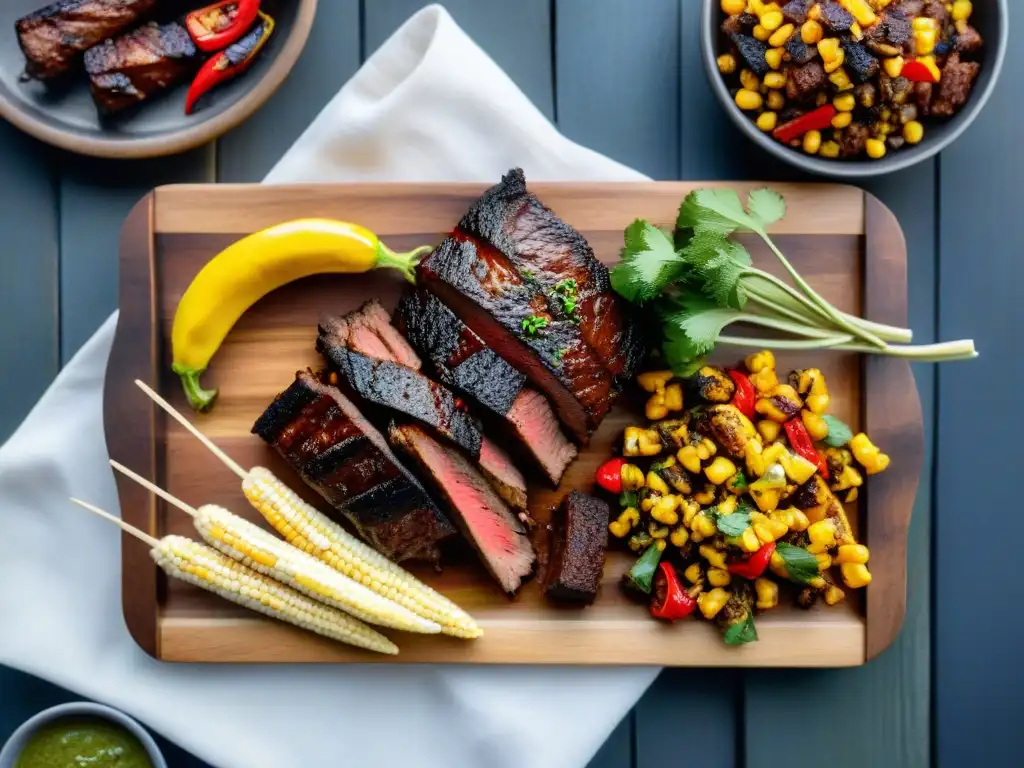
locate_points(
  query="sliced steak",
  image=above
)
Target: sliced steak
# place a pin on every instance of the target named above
(460, 359)
(339, 453)
(795, 11)
(805, 81)
(955, 86)
(139, 65)
(487, 523)
(835, 18)
(54, 38)
(579, 539)
(968, 40)
(859, 61)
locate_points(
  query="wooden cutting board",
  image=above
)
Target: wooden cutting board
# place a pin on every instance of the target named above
(844, 241)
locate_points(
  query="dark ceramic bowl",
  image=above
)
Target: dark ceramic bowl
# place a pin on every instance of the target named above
(990, 18)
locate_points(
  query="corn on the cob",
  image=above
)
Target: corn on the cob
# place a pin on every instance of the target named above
(208, 569)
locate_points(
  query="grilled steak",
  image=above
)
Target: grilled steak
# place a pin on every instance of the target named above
(578, 543)
(498, 537)
(365, 348)
(339, 454)
(460, 359)
(54, 38)
(139, 65)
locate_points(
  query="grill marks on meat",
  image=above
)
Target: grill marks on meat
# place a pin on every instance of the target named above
(338, 453)
(462, 360)
(578, 543)
(348, 343)
(139, 65)
(495, 533)
(54, 38)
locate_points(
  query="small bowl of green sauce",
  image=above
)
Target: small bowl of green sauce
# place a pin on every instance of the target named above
(81, 734)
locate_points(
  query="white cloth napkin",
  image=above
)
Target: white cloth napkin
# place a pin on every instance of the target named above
(428, 106)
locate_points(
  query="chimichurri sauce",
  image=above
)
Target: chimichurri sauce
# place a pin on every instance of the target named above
(83, 744)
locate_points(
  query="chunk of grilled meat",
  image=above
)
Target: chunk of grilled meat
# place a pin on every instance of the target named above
(579, 538)
(54, 38)
(727, 427)
(139, 65)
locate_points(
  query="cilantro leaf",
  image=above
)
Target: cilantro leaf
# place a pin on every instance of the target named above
(766, 205)
(696, 323)
(649, 262)
(838, 433)
(734, 524)
(719, 264)
(740, 481)
(741, 632)
(801, 565)
(715, 209)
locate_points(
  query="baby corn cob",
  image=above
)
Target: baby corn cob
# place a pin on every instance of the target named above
(208, 569)
(306, 528)
(255, 548)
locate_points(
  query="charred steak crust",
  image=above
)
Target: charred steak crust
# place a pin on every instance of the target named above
(139, 65)
(54, 38)
(578, 543)
(340, 455)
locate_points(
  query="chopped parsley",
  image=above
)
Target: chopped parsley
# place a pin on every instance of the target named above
(559, 354)
(565, 292)
(533, 324)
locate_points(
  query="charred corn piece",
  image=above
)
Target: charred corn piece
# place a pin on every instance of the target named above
(654, 381)
(780, 404)
(719, 577)
(810, 382)
(767, 594)
(624, 523)
(769, 430)
(712, 602)
(720, 470)
(816, 426)
(868, 455)
(679, 536)
(674, 397)
(638, 441)
(855, 575)
(632, 477)
(715, 557)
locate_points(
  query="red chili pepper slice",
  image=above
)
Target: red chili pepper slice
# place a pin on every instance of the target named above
(230, 63)
(671, 602)
(609, 475)
(918, 72)
(753, 566)
(802, 445)
(818, 120)
(217, 26)
(745, 396)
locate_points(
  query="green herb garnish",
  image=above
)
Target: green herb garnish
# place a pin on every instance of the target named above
(641, 575)
(739, 481)
(532, 324)
(627, 499)
(801, 565)
(741, 632)
(838, 433)
(701, 281)
(565, 292)
(733, 524)
(559, 354)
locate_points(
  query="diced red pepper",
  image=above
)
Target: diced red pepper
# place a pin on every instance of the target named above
(745, 396)
(802, 444)
(753, 566)
(609, 475)
(918, 71)
(671, 602)
(231, 62)
(217, 26)
(818, 120)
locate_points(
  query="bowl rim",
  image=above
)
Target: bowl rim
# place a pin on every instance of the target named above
(12, 748)
(852, 169)
(186, 138)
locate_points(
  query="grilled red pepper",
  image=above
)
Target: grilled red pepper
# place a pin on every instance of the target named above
(917, 71)
(818, 120)
(753, 566)
(231, 62)
(609, 475)
(802, 445)
(745, 396)
(671, 602)
(217, 26)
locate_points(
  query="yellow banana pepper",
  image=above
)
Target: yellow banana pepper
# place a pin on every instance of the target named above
(245, 271)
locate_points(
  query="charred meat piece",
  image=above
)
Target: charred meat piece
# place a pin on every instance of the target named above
(852, 140)
(861, 64)
(579, 539)
(923, 93)
(804, 82)
(726, 426)
(338, 453)
(968, 40)
(936, 9)
(461, 360)
(711, 385)
(955, 86)
(835, 18)
(400, 388)
(795, 11)
(890, 35)
(753, 52)
(497, 535)
(139, 65)
(54, 38)
(800, 52)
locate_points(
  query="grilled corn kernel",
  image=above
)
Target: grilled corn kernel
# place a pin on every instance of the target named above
(852, 553)
(782, 402)
(781, 36)
(679, 536)
(841, 80)
(674, 397)
(832, 66)
(655, 408)
(769, 430)
(829, 149)
(829, 49)
(811, 32)
(665, 510)
(647, 503)
(761, 33)
(621, 526)
(842, 120)
(690, 509)
(632, 477)
(924, 41)
(875, 149)
(815, 12)
(767, 121)
(734, 7)
(661, 544)
(758, 361)
(705, 496)
(775, 80)
(641, 442)
(834, 594)
(893, 66)
(748, 541)
(962, 10)
(776, 100)
(797, 468)
(798, 520)
(656, 381)
(704, 525)
(817, 582)
(710, 603)
(824, 561)
(868, 455)
(774, 56)
(913, 132)
(855, 575)
(714, 556)
(749, 80)
(726, 64)
(767, 594)
(812, 142)
(816, 426)
(822, 535)
(688, 457)
(922, 23)
(693, 573)
(720, 470)
(856, 31)
(727, 506)
(844, 102)
(706, 449)
(772, 21)
(719, 577)
(657, 531)
(861, 11)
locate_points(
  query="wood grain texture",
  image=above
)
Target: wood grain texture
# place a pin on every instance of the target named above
(275, 338)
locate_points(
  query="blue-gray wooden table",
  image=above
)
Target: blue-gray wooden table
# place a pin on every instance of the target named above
(624, 77)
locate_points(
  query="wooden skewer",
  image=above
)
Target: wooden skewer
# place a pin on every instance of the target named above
(131, 529)
(173, 413)
(173, 500)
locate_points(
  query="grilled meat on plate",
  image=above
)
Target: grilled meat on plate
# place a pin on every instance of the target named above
(578, 543)
(340, 454)
(487, 523)
(54, 38)
(461, 360)
(139, 65)
(366, 349)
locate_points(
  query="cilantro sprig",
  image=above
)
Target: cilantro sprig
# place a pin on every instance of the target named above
(700, 280)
